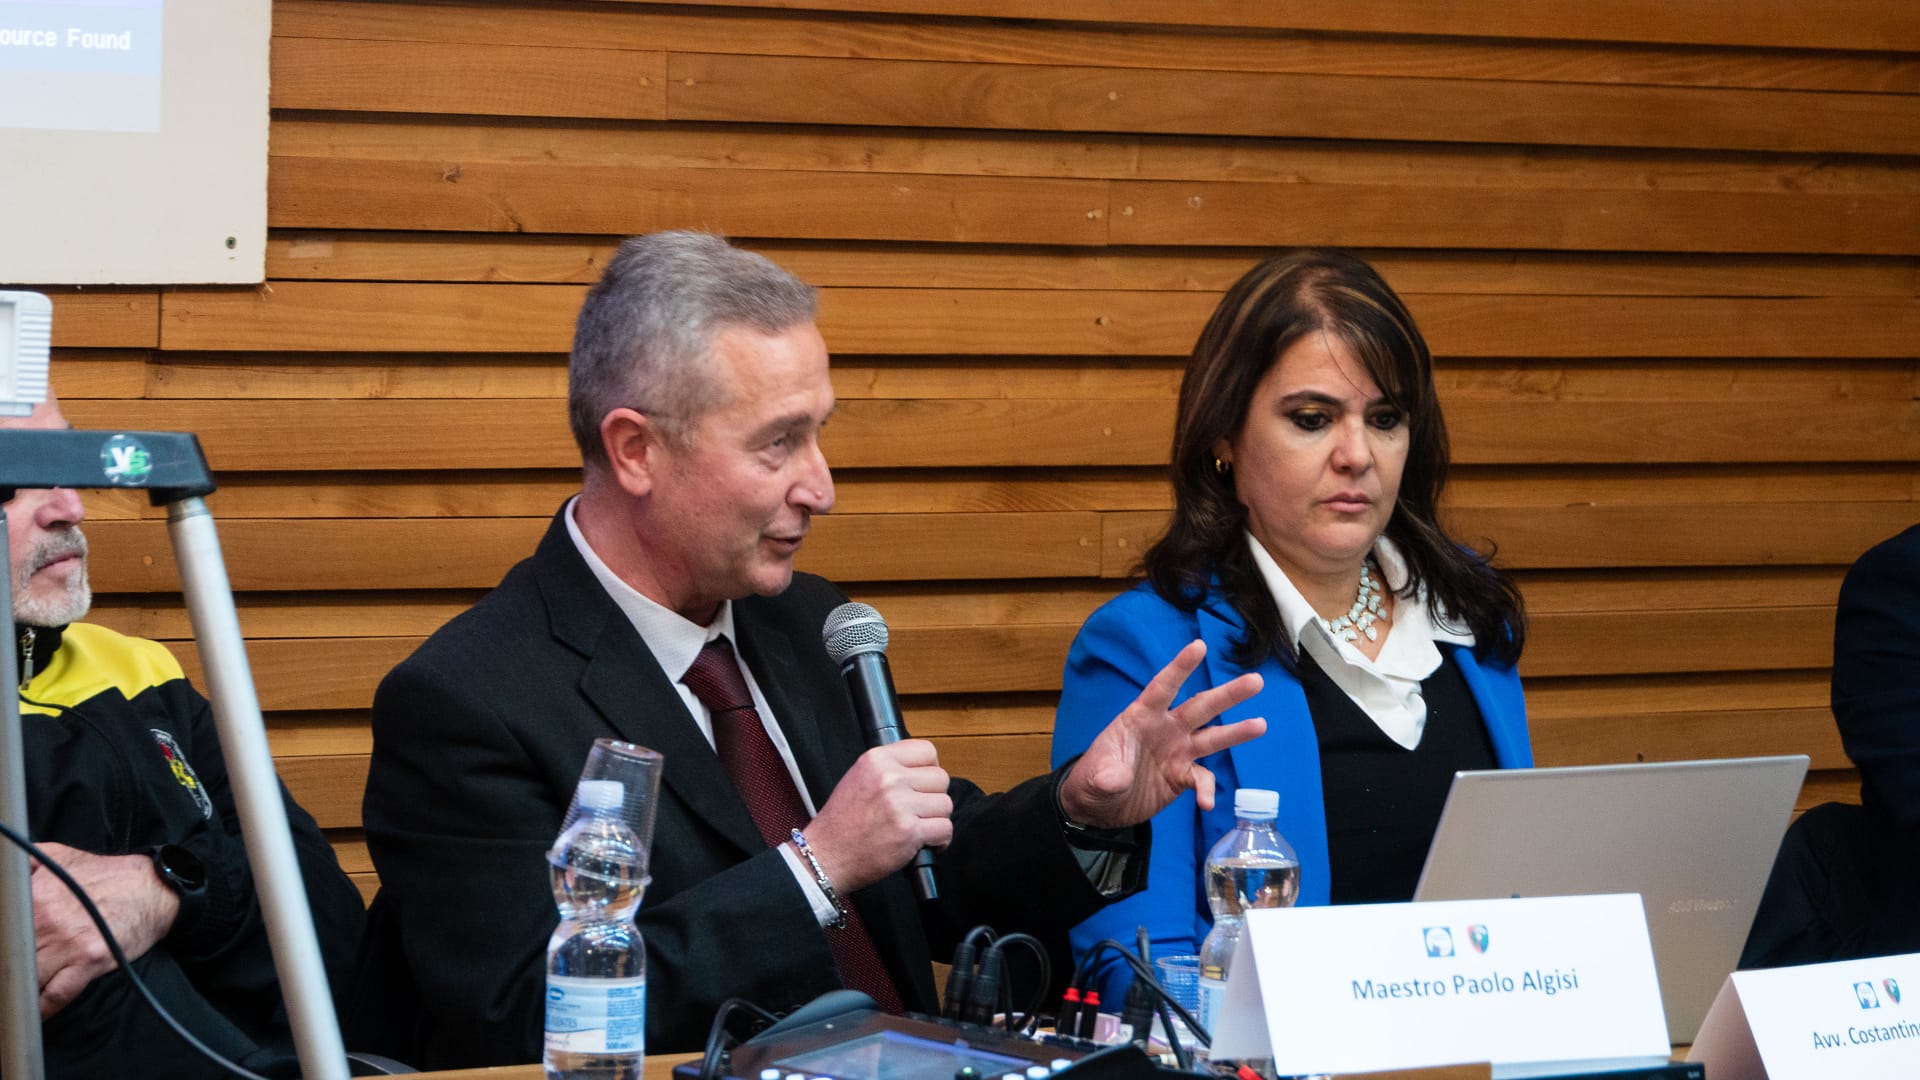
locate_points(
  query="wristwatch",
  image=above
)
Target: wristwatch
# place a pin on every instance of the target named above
(180, 868)
(1086, 837)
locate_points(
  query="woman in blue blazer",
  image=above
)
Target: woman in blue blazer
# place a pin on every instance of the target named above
(1308, 460)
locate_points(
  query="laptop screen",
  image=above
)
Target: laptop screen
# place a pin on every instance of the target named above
(1696, 840)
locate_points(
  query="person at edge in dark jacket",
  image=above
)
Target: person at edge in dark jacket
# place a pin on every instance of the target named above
(127, 790)
(1846, 882)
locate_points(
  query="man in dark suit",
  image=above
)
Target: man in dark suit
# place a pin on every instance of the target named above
(1847, 881)
(662, 608)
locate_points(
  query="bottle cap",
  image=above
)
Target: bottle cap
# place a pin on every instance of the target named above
(1251, 802)
(601, 794)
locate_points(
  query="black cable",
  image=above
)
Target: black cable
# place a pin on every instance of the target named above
(1084, 972)
(120, 956)
(960, 977)
(1143, 975)
(1181, 1057)
(710, 1062)
(983, 996)
(1039, 998)
(1066, 1019)
(1136, 1014)
(1141, 971)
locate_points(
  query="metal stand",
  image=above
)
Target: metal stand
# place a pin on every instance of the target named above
(172, 469)
(20, 1019)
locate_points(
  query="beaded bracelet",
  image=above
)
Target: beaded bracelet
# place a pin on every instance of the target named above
(820, 878)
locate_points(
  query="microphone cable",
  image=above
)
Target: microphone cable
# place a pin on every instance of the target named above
(976, 990)
(1141, 971)
(960, 976)
(714, 1060)
(1136, 1013)
(120, 956)
(994, 989)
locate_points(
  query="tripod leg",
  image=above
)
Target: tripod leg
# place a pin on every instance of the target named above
(256, 787)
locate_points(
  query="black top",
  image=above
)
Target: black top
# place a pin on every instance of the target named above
(123, 756)
(1876, 679)
(1383, 800)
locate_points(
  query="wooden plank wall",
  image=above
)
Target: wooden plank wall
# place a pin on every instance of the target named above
(1665, 252)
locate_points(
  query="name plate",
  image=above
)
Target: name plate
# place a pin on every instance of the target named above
(1854, 1018)
(1365, 988)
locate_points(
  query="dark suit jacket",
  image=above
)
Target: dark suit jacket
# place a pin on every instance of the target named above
(1846, 883)
(479, 737)
(1876, 677)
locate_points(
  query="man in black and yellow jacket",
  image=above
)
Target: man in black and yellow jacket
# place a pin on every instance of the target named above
(127, 790)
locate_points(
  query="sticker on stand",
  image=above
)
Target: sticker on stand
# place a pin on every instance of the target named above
(125, 461)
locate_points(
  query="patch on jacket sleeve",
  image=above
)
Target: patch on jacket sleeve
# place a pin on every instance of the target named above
(183, 773)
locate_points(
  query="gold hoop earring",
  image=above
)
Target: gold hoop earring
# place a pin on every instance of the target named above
(1222, 466)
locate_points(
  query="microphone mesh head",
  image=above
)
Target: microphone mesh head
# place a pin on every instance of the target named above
(854, 628)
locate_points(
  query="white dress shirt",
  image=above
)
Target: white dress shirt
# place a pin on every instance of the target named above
(1387, 688)
(675, 642)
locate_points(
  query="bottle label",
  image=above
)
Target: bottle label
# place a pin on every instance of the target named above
(596, 1016)
(1213, 994)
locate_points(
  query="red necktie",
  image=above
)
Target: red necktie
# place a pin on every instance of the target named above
(761, 777)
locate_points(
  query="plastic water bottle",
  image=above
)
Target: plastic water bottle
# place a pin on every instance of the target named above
(596, 964)
(1252, 866)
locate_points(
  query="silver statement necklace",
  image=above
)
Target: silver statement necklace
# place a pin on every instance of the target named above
(1365, 611)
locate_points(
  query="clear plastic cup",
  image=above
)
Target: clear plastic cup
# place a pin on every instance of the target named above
(637, 770)
(1180, 977)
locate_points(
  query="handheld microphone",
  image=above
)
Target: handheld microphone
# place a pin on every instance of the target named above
(856, 639)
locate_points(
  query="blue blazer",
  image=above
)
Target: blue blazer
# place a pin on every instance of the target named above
(1123, 645)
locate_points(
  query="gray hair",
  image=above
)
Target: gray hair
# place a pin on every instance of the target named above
(643, 336)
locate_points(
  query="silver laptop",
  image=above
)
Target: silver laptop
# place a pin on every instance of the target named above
(1695, 839)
